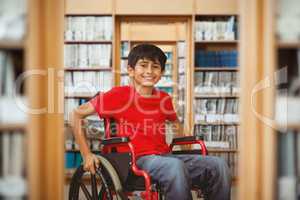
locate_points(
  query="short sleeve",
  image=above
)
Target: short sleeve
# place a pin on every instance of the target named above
(168, 109)
(105, 103)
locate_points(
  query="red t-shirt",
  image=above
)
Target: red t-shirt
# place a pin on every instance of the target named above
(140, 118)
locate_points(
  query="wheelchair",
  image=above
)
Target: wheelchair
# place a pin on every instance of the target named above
(118, 176)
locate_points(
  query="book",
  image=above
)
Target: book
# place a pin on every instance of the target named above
(225, 82)
(84, 56)
(88, 28)
(215, 29)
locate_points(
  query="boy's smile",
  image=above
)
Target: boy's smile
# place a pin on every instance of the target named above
(146, 73)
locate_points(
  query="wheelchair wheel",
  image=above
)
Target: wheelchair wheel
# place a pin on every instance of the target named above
(104, 184)
(84, 185)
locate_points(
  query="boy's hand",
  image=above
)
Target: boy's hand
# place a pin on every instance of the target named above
(90, 161)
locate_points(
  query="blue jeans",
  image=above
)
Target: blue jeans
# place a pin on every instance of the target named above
(177, 173)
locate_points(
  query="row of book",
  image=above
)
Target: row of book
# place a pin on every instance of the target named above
(10, 69)
(125, 80)
(13, 19)
(227, 58)
(287, 20)
(93, 143)
(216, 136)
(216, 83)
(216, 29)
(216, 110)
(93, 127)
(12, 99)
(181, 82)
(12, 165)
(181, 49)
(180, 108)
(16, 105)
(165, 81)
(88, 28)
(71, 103)
(77, 82)
(288, 87)
(125, 49)
(92, 55)
(73, 159)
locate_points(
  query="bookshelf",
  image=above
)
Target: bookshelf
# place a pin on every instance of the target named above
(287, 64)
(11, 45)
(27, 153)
(271, 171)
(88, 42)
(141, 29)
(215, 85)
(166, 26)
(13, 134)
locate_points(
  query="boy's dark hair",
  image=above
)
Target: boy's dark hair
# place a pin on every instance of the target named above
(148, 51)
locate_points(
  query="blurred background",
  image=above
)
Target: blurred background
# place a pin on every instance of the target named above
(232, 70)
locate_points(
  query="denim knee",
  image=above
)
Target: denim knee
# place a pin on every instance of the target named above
(176, 169)
(220, 168)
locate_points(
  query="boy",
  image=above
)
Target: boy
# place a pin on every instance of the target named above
(140, 112)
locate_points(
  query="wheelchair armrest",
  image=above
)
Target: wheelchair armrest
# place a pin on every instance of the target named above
(115, 141)
(186, 139)
(190, 140)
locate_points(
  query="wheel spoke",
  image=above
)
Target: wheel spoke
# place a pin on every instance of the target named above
(94, 187)
(85, 191)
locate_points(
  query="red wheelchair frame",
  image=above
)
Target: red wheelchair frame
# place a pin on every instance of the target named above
(109, 142)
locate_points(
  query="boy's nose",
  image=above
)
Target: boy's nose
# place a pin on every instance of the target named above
(149, 69)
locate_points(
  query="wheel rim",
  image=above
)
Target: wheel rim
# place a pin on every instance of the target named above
(79, 190)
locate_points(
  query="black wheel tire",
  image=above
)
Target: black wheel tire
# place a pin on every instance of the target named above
(77, 185)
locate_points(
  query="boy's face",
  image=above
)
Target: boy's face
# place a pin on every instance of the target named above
(146, 72)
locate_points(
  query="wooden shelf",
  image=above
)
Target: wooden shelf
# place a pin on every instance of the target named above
(218, 123)
(12, 45)
(216, 69)
(295, 127)
(289, 45)
(217, 42)
(88, 69)
(80, 95)
(87, 15)
(12, 127)
(89, 42)
(206, 96)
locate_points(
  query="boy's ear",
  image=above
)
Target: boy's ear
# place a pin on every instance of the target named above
(130, 70)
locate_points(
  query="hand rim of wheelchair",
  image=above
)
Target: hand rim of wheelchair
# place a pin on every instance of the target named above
(77, 183)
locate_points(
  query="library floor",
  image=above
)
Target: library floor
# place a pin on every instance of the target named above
(233, 194)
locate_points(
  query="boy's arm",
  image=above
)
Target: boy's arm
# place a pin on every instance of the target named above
(77, 117)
